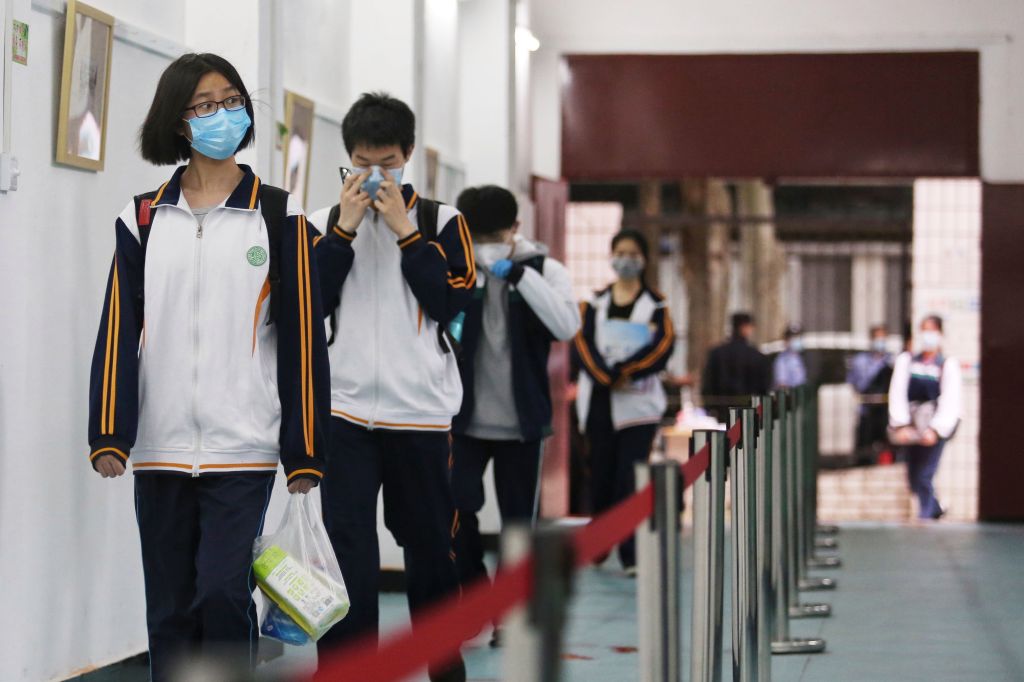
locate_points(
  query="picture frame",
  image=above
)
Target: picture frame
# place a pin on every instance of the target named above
(299, 115)
(85, 87)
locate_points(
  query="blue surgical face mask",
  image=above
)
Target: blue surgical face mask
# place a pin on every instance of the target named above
(796, 344)
(878, 345)
(218, 136)
(372, 183)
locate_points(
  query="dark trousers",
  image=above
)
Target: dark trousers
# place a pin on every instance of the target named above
(922, 463)
(414, 468)
(612, 457)
(515, 484)
(197, 536)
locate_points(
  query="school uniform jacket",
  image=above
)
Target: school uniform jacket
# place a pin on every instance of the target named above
(642, 399)
(389, 368)
(917, 381)
(188, 376)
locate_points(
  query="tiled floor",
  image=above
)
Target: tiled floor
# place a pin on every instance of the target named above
(936, 602)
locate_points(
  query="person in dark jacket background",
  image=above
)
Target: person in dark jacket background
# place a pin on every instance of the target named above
(735, 370)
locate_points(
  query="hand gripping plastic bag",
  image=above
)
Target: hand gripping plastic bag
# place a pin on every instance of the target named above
(298, 573)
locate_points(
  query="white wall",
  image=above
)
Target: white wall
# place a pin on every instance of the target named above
(71, 574)
(485, 90)
(995, 27)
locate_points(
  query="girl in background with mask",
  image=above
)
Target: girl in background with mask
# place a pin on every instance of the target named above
(924, 411)
(194, 377)
(624, 343)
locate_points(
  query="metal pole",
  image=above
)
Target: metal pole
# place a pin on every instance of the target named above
(708, 559)
(814, 560)
(658, 591)
(802, 484)
(782, 642)
(788, 453)
(533, 633)
(766, 588)
(744, 547)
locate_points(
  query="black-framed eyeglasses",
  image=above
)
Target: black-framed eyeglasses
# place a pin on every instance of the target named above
(204, 109)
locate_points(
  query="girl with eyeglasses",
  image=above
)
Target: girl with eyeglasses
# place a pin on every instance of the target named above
(210, 365)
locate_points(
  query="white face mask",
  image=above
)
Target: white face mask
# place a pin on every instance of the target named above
(489, 254)
(931, 340)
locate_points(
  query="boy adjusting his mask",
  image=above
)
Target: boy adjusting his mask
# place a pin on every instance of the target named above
(523, 301)
(395, 270)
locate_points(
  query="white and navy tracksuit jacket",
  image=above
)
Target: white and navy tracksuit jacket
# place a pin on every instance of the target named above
(642, 400)
(916, 381)
(187, 375)
(389, 369)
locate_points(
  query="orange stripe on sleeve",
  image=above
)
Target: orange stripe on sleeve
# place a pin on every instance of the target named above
(588, 360)
(303, 338)
(659, 350)
(467, 246)
(300, 472)
(116, 300)
(106, 355)
(412, 201)
(309, 339)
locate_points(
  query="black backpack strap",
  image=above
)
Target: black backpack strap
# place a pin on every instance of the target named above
(332, 220)
(274, 207)
(426, 218)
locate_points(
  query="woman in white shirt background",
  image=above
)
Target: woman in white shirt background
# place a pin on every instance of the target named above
(924, 411)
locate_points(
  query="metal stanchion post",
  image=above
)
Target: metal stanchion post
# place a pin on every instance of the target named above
(533, 633)
(814, 528)
(708, 559)
(744, 547)
(766, 588)
(658, 592)
(788, 454)
(782, 568)
(803, 484)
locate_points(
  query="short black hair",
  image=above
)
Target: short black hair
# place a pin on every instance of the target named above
(934, 319)
(377, 120)
(634, 236)
(740, 320)
(792, 330)
(160, 139)
(488, 208)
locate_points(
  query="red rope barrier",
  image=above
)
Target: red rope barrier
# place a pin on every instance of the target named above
(441, 630)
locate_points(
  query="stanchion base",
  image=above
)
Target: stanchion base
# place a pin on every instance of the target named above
(810, 611)
(824, 562)
(812, 584)
(798, 646)
(826, 543)
(826, 529)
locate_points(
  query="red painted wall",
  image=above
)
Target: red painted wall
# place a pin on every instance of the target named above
(808, 115)
(1002, 342)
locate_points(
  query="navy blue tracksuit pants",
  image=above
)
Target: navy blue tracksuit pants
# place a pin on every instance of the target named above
(613, 455)
(197, 536)
(515, 484)
(414, 468)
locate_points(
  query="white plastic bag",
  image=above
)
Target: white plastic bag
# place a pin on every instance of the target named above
(299, 575)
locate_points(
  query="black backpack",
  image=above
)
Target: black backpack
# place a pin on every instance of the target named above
(274, 207)
(426, 223)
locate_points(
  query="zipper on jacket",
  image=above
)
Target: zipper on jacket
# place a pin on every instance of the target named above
(198, 439)
(376, 325)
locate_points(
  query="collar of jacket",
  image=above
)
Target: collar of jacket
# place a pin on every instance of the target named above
(245, 196)
(410, 196)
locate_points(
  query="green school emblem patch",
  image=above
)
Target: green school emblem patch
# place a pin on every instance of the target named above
(256, 256)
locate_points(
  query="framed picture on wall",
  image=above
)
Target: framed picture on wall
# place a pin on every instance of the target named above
(298, 144)
(85, 87)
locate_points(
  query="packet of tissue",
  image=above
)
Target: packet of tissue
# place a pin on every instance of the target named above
(299, 575)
